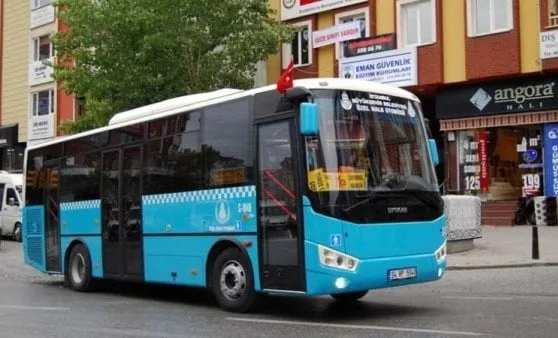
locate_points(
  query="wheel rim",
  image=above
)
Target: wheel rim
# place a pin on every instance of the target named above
(233, 280)
(78, 268)
(17, 233)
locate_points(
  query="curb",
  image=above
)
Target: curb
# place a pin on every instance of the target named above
(501, 266)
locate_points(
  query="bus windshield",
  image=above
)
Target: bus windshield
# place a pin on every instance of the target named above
(370, 161)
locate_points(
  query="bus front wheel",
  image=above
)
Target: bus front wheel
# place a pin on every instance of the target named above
(78, 272)
(232, 281)
(349, 296)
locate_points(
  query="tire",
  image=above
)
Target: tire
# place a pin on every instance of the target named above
(78, 270)
(232, 270)
(17, 232)
(349, 296)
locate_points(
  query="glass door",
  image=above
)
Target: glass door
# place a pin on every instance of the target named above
(279, 218)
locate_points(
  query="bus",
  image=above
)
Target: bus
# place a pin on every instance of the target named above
(328, 188)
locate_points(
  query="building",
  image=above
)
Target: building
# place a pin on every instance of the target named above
(31, 105)
(486, 71)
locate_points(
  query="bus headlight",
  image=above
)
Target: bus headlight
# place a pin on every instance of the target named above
(336, 259)
(441, 252)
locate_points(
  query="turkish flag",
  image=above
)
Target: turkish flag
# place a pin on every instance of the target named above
(286, 79)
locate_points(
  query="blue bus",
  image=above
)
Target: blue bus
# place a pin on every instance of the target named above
(326, 189)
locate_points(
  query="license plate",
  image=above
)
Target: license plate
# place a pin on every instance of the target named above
(397, 274)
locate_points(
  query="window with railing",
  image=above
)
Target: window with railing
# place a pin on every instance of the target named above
(552, 14)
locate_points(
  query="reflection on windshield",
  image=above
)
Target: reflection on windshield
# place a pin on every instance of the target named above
(368, 144)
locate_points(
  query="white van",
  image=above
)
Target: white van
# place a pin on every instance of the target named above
(11, 186)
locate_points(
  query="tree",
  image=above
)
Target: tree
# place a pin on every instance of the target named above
(121, 54)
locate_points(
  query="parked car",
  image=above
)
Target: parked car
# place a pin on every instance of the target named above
(10, 204)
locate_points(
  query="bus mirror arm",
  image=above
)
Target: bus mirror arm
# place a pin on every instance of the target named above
(296, 95)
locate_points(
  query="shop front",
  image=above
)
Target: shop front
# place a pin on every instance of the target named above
(11, 151)
(497, 143)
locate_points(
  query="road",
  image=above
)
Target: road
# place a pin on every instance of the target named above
(507, 302)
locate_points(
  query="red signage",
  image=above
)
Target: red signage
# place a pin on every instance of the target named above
(370, 45)
(483, 161)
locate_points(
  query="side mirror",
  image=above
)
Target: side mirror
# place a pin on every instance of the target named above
(433, 151)
(309, 119)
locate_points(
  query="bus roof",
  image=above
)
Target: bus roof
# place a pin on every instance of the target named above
(198, 101)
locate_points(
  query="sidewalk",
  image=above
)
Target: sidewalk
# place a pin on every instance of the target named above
(506, 246)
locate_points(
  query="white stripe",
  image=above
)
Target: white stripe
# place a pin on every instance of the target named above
(38, 308)
(477, 298)
(349, 326)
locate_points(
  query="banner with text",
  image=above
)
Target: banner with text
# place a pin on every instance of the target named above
(291, 9)
(369, 45)
(483, 160)
(338, 33)
(550, 159)
(397, 67)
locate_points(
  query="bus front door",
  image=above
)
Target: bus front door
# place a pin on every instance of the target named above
(279, 228)
(121, 212)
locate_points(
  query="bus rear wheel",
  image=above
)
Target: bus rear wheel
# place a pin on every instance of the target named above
(232, 281)
(78, 272)
(349, 296)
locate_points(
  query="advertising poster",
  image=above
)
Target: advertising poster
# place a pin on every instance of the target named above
(551, 159)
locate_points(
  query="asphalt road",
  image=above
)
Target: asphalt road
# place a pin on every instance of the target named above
(507, 302)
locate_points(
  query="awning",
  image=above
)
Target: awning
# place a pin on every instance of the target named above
(499, 120)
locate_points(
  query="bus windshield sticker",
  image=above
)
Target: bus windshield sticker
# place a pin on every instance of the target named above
(346, 180)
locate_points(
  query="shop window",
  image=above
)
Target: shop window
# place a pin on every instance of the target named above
(42, 48)
(362, 16)
(416, 21)
(502, 163)
(489, 16)
(300, 48)
(42, 102)
(552, 13)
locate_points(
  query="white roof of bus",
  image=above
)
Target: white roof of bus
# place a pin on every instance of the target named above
(177, 102)
(197, 101)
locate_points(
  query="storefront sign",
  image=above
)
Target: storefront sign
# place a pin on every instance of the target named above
(337, 33)
(483, 160)
(512, 96)
(291, 9)
(42, 16)
(41, 127)
(364, 46)
(548, 44)
(551, 159)
(471, 167)
(39, 73)
(397, 67)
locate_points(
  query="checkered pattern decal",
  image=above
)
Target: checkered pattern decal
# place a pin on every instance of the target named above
(80, 205)
(201, 195)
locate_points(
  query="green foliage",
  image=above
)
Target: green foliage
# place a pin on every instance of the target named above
(121, 54)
